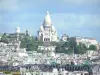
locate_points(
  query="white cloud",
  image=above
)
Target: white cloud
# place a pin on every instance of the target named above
(61, 21)
(9, 5)
(68, 20)
(78, 2)
(12, 5)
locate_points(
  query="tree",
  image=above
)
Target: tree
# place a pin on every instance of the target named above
(66, 44)
(92, 47)
(29, 43)
(71, 46)
(5, 38)
(81, 49)
(72, 43)
(68, 47)
(59, 49)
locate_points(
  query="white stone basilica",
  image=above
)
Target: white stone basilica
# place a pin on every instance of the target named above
(47, 31)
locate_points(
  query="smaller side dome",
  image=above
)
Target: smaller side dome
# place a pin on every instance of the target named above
(41, 28)
(17, 30)
(53, 29)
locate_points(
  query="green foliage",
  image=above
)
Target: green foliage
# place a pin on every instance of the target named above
(81, 48)
(5, 38)
(92, 47)
(70, 47)
(30, 43)
(86, 62)
(55, 43)
(72, 43)
(6, 72)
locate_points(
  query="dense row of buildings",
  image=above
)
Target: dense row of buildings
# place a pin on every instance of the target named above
(11, 54)
(47, 33)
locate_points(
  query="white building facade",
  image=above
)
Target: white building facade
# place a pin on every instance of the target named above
(47, 31)
(87, 41)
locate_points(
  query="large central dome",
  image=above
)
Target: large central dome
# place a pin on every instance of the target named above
(47, 20)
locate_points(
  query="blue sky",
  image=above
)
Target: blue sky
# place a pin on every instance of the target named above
(73, 17)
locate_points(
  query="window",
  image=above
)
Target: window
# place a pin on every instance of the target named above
(46, 39)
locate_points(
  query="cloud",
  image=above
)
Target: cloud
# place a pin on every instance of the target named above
(79, 2)
(76, 20)
(87, 25)
(9, 5)
(61, 21)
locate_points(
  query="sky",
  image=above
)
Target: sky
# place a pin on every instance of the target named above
(73, 17)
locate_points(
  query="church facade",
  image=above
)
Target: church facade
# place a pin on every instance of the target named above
(47, 32)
